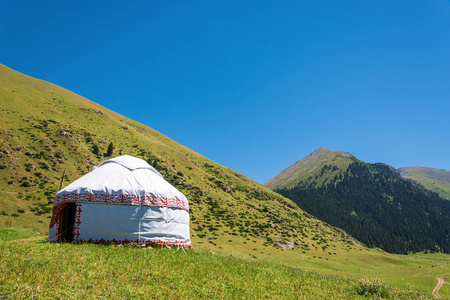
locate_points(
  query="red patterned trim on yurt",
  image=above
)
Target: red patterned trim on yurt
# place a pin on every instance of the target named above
(122, 199)
(56, 213)
(137, 241)
(77, 222)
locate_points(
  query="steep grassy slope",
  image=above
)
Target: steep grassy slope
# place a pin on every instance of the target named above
(436, 180)
(370, 201)
(45, 129)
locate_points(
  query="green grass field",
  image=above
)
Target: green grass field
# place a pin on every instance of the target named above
(414, 271)
(75, 271)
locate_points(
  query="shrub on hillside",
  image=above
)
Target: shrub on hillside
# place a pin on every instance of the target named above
(371, 287)
(95, 149)
(110, 150)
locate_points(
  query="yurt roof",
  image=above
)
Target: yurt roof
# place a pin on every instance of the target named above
(123, 180)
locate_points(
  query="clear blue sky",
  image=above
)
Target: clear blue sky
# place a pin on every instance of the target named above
(253, 85)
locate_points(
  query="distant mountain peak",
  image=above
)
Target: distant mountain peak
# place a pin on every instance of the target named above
(323, 150)
(306, 167)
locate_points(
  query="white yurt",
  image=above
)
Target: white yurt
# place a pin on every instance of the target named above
(122, 200)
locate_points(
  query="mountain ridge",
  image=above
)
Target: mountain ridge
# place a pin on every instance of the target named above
(308, 165)
(372, 202)
(436, 180)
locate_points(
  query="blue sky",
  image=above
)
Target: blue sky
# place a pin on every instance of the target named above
(253, 85)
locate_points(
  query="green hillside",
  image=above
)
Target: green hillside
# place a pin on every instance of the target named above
(45, 129)
(436, 180)
(372, 202)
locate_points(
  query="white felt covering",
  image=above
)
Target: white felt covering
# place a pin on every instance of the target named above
(124, 175)
(113, 204)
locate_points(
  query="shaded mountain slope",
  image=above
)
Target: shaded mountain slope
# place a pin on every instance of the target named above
(436, 180)
(45, 129)
(372, 202)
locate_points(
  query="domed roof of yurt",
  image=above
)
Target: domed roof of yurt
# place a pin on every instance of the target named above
(122, 200)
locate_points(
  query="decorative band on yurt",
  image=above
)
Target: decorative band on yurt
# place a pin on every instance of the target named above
(137, 241)
(122, 199)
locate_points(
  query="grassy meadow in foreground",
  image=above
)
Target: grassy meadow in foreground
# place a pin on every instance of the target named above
(414, 271)
(73, 271)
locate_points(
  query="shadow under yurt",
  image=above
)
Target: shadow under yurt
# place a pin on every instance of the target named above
(123, 200)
